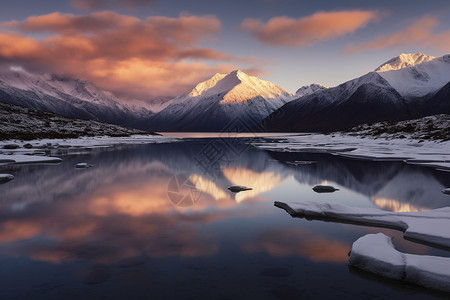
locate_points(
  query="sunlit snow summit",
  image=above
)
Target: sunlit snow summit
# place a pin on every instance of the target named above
(225, 102)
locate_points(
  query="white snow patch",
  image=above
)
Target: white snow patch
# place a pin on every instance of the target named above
(375, 253)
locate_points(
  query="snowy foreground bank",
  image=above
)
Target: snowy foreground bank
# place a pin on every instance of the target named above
(376, 254)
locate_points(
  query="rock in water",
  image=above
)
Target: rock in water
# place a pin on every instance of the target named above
(4, 178)
(238, 188)
(11, 146)
(324, 189)
(446, 191)
(83, 166)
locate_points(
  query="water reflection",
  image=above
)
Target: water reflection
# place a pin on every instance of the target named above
(119, 210)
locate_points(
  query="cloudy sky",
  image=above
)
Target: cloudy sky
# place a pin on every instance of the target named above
(142, 49)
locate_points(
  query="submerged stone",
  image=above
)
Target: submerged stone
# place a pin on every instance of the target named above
(4, 178)
(11, 146)
(238, 188)
(324, 189)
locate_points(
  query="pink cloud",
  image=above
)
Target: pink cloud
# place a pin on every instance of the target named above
(127, 55)
(88, 5)
(307, 31)
(419, 32)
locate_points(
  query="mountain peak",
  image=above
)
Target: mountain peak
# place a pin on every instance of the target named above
(309, 89)
(404, 60)
(222, 83)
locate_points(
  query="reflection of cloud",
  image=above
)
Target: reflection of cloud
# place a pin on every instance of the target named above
(286, 242)
(127, 55)
(259, 182)
(10, 230)
(394, 205)
(307, 31)
(111, 212)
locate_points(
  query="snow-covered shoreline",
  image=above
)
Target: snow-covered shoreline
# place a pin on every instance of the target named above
(412, 151)
(26, 152)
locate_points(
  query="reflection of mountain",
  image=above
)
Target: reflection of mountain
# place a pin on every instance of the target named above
(123, 200)
(261, 182)
(390, 185)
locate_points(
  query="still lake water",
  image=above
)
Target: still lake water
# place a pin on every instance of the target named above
(157, 222)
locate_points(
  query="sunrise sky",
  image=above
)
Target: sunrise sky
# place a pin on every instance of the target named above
(142, 49)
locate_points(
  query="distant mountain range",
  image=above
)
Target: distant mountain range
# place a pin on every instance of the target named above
(68, 97)
(405, 87)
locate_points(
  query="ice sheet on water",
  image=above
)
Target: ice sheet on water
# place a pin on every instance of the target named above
(427, 226)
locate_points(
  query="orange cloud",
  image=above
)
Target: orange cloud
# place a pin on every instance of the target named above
(88, 5)
(418, 32)
(307, 31)
(132, 57)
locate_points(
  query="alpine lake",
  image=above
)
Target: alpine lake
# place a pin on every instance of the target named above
(156, 221)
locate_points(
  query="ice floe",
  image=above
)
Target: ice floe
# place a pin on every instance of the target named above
(375, 253)
(427, 226)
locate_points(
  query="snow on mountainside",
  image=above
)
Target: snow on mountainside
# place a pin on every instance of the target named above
(404, 61)
(309, 89)
(216, 102)
(416, 75)
(66, 96)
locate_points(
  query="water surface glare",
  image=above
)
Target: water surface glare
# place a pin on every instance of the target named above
(157, 222)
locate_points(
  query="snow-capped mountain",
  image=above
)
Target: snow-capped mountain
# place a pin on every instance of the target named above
(416, 75)
(404, 61)
(309, 89)
(65, 96)
(225, 102)
(407, 86)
